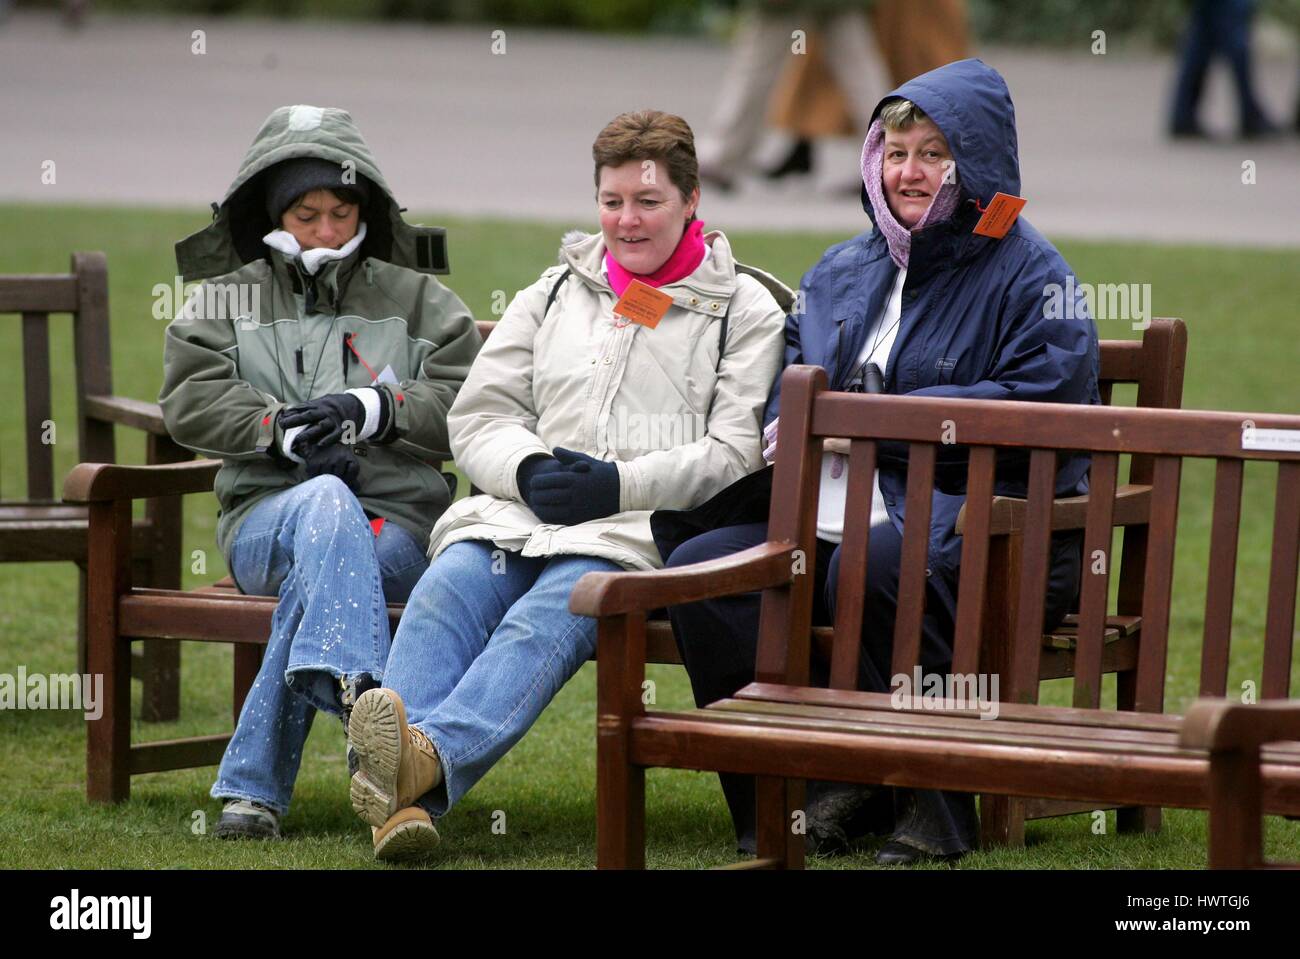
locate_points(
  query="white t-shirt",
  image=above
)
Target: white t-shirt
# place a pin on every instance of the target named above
(875, 349)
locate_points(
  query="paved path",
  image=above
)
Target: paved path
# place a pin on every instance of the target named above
(130, 115)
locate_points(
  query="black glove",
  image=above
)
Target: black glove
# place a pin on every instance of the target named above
(584, 489)
(334, 460)
(539, 464)
(324, 419)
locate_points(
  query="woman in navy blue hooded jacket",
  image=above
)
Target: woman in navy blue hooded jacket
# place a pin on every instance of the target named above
(942, 312)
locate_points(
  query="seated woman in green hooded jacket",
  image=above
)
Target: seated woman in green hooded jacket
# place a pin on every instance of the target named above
(318, 361)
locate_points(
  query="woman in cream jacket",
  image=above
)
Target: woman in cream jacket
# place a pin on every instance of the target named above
(576, 422)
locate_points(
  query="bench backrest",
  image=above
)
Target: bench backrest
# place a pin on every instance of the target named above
(810, 413)
(84, 294)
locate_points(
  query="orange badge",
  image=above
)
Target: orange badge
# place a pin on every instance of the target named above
(642, 303)
(999, 215)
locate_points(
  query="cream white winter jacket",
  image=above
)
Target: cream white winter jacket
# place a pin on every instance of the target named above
(680, 425)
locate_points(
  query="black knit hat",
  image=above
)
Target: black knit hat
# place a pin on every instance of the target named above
(287, 181)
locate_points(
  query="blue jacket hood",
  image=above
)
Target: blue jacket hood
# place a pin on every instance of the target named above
(970, 103)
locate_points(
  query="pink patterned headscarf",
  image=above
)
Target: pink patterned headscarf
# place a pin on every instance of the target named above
(898, 236)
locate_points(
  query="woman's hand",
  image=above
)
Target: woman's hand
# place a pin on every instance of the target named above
(583, 489)
(334, 460)
(538, 465)
(324, 418)
(836, 445)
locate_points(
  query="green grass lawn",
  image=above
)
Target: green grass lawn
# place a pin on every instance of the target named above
(1238, 304)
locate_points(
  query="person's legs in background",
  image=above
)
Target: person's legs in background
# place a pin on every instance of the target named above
(1234, 19)
(758, 55)
(1197, 49)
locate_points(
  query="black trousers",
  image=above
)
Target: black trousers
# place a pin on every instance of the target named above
(718, 640)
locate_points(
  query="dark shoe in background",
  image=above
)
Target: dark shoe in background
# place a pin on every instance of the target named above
(895, 853)
(838, 814)
(798, 160)
(716, 178)
(1188, 131)
(1260, 128)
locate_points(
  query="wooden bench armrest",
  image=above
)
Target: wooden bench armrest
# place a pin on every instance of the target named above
(1224, 725)
(610, 594)
(101, 482)
(1132, 508)
(126, 412)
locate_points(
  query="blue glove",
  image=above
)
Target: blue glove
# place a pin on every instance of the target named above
(584, 489)
(536, 465)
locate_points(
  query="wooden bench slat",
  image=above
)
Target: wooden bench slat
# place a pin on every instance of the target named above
(1046, 426)
(45, 292)
(224, 615)
(935, 722)
(850, 596)
(41, 512)
(1118, 656)
(1068, 638)
(882, 719)
(1157, 590)
(126, 411)
(933, 726)
(1124, 625)
(913, 564)
(37, 408)
(1032, 588)
(60, 541)
(1094, 591)
(1007, 712)
(973, 584)
(1279, 623)
(178, 753)
(1221, 577)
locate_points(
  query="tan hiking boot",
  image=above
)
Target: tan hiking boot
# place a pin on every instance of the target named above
(396, 764)
(408, 835)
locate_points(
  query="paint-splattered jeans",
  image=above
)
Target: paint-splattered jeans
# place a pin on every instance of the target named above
(313, 546)
(486, 641)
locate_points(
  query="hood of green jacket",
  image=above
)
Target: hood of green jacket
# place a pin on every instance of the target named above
(234, 237)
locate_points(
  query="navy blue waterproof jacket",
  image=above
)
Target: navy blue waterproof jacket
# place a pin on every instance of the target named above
(973, 323)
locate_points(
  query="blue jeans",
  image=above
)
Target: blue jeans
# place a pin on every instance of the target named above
(311, 545)
(486, 641)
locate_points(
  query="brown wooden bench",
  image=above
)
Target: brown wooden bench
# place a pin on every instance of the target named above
(785, 732)
(40, 528)
(219, 613)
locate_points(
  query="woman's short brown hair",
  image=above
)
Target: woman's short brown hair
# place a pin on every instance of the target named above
(650, 135)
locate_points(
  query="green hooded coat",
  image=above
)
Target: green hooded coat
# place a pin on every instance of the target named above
(246, 343)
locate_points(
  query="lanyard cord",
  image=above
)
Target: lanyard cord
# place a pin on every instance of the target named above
(319, 356)
(861, 369)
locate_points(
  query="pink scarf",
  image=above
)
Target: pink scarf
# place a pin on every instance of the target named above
(898, 236)
(685, 260)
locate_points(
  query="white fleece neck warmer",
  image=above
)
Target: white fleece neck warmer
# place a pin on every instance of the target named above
(312, 260)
